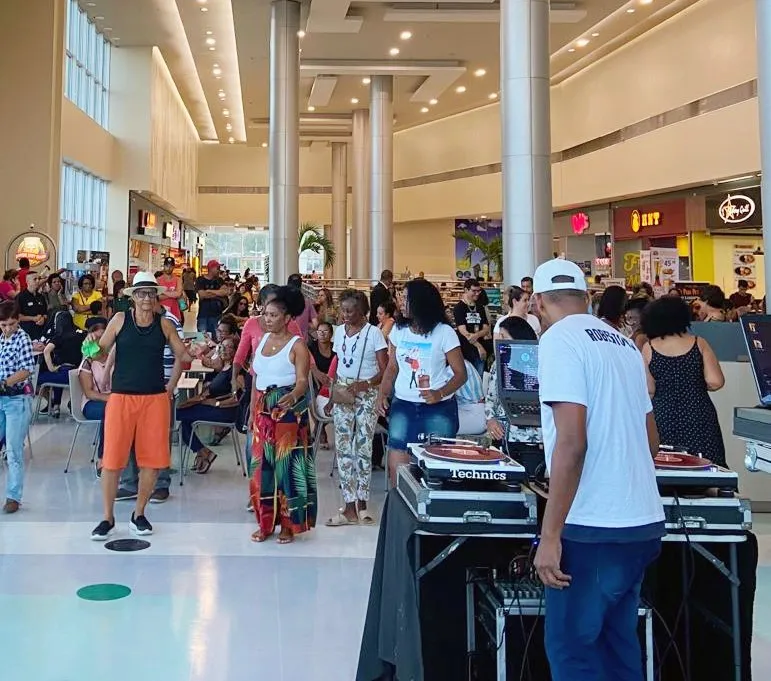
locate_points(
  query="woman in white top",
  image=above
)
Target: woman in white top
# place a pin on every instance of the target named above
(519, 303)
(425, 368)
(361, 359)
(283, 485)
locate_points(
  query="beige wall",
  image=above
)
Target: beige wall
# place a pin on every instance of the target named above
(85, 143)
(425, 246)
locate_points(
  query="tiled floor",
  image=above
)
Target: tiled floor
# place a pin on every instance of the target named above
(207, 603)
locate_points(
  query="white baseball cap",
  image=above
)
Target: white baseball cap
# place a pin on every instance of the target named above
(558, 275)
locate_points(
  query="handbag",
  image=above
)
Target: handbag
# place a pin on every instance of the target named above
(340, 393)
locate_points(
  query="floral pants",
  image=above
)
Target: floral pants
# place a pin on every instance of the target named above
(354, 430)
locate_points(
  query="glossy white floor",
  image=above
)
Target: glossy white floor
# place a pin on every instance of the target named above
(206, 603)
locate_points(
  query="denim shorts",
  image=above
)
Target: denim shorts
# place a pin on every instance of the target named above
(409, 422)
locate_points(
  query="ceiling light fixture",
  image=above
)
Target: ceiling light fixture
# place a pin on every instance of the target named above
(231, 139)
(226, 113)
(434, 102)
(366, 81)
(460, 89)
(646, 2)
(211, 49)
(424, 110)
(229, 127)
(301, 34)
(572, 49)
(582, 42)
(100, 18)
(630, 10)
(393, 51)
(90, 4)
(354, 100)
(107, 29)
(595, 35)
(405, 35)
(221, 95)
(217, 71)
(209, 33)
(204, 9)
(311, 108)
(479, 73)
(492, 95)
(264, 145)
(211, 41)
(202, 2)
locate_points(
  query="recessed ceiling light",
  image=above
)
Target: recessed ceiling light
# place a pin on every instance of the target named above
(424, 110)
(90, 4)
(221, 95)
(460, 89)
(231, 139)
(572, 49)
(393, 51)
(202, 2)
(211, 49)
(354, 100)
(483, 217)
(646, 2)
(226, 112)
(229, 127)
(434, 102)
(582, 42)
(217, 71)
(595, 35)
(209, 33)
(405, 35)
(300, 33)
(100, 18)
(264, 145)
(204, 9)
(107, 29)
(366, 81)
(311, 109)
(479, 73)
(211, 41)
(630, 10)
(492, 95)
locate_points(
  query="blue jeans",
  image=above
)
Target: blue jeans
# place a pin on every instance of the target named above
(61, 376)
(202, 412)
(209, 324)
(591, 626)
(94, 411)
(129, 477)
(407, 421)
(15, 415)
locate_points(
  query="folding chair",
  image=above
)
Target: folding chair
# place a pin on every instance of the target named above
(39, 387)
(188, 446)
(321, 420)
(76, 399)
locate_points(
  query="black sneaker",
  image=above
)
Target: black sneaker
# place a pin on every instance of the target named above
(140, 526)
(125, 495)
(103, 530)
(159, 496)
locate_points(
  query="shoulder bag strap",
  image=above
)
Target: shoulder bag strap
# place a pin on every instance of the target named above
(363, 348)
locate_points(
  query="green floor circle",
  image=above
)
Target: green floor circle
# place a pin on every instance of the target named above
(104, 592)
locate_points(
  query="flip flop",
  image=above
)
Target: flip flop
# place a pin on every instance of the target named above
(365, 518)
(285, 539)
(339, 519)
(258, 537)
(203, 469)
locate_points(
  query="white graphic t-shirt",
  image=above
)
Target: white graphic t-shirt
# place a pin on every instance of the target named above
(422, 360)
(584, 361)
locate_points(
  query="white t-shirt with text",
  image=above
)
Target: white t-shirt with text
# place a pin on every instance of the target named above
(422, 360)
(584, 361)
(350, 357)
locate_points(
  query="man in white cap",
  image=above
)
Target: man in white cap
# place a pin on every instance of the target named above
(604, 519)
(139, 408)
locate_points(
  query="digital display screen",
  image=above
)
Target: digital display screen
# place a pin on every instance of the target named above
(519, 367)
(757, 333)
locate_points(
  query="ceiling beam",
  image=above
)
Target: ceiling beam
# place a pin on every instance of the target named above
(331, 16)
(322, 90)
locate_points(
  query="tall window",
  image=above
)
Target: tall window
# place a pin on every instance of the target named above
(87, 73)
(238, 250)
(83, 214)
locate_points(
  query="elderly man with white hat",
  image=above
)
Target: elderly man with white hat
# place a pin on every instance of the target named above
(140, 397)
(604, 519)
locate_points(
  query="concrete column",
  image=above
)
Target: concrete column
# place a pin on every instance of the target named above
(763, 24)
(525, 140)
(381, 190)
(284, 210)
(340, 208)
(31, 62)
(360, 232)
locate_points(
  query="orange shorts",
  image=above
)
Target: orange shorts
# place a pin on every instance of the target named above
(143, 420)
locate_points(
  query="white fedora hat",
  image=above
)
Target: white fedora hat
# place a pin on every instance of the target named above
(143, 280)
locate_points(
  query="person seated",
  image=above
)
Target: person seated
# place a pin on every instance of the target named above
(216, 403)
(119, 302)
(227, 329)
(471, 404)
(512, 328)
(62, 353)
(95, 376)
(323, 368)
(55, 296)
(239, 310)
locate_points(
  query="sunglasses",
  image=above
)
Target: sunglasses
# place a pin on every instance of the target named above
(146, 294)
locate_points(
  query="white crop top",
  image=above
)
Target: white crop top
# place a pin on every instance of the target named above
(277, 370)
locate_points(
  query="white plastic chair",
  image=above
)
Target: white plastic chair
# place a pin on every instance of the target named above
(76, 399)
(39, 389)
(188, 446)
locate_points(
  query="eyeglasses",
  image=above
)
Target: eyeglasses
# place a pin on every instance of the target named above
(146, 294)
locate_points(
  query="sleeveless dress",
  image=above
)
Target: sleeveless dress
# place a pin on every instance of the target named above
(685, 415)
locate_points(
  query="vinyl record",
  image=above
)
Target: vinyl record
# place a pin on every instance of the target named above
(680, 461)
(460, 454)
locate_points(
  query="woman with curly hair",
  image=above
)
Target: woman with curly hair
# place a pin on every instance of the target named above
(283, 484)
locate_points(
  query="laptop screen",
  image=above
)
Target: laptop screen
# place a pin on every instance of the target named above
(757, 334)
(518, 369)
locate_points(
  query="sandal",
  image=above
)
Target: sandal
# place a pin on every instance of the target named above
(258, 537)
(340, 519)
(365, 518)
(219, 437)
(205, 465)
(285, 537)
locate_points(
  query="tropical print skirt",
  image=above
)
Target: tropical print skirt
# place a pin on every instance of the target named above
(283, 473)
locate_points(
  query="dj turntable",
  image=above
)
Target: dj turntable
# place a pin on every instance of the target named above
(456, 482)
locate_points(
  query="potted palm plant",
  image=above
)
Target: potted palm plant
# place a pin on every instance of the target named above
(311, 237)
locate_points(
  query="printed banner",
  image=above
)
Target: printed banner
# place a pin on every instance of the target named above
(478, 263)
(745, 263)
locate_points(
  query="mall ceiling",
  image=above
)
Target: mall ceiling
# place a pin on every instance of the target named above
(447, 60)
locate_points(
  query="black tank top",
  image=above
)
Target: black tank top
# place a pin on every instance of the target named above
(139, 358)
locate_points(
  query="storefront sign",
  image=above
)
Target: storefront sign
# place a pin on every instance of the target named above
(736, 209)
(650, 221)
(579, 222)
(640, 220)
(32, 248)
(690, 290)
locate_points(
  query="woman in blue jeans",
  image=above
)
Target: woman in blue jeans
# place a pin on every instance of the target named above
(95, 376)
(425, 368)
(16, 366)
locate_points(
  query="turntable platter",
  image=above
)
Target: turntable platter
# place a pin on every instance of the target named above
(680, 461)
(459, 454)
